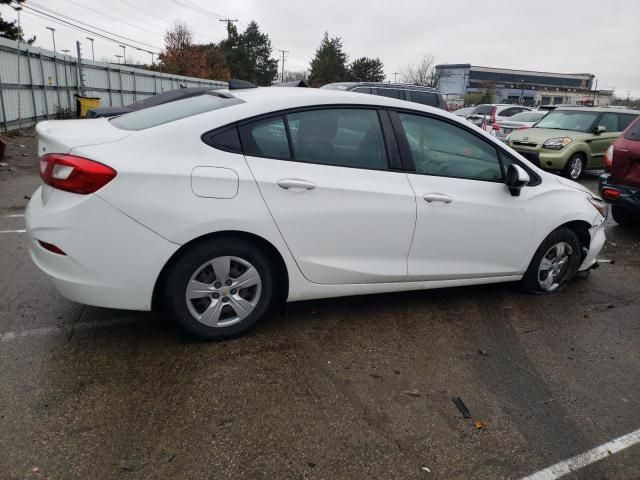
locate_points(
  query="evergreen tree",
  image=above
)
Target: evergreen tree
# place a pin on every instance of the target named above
(10, 30)
(329, 64)
(365, 69)
(249, 55)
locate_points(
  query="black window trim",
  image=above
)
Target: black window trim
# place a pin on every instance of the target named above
(407, 159)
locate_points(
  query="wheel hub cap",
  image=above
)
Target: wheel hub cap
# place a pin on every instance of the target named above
(554, 266)
(223, 291)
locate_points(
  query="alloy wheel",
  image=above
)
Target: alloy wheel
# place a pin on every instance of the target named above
(575, 169)
(554, 266)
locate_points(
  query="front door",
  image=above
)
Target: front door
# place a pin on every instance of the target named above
(468, 224)
(324, 176)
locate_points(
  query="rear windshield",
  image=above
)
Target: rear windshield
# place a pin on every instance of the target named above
(528, 116)
(634, 131)
(482, 110)
(172, 111)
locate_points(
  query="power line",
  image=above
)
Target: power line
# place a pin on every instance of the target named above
(60, 21)
(197, 8)
(54, 14)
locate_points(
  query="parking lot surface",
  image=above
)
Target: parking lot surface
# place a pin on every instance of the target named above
(357, 387)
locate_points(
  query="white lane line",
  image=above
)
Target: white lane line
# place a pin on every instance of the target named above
(41, 332)
(12, 231)
(572, 464)
(15, 215)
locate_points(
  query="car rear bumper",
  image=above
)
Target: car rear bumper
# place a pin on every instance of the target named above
(629, 196)
(110, 260)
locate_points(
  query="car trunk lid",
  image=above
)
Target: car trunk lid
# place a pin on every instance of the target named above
(61, 136)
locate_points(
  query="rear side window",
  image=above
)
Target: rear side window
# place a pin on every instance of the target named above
(442, 149)
(266, 138)
(172, 111)
(634, 131)
(482, 110)
(624, 120)
(226, 139)
(509, 112)
(425, 98)
(391, 93)
(341, 137)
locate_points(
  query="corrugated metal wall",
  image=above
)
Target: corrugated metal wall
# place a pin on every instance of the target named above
(43, 86)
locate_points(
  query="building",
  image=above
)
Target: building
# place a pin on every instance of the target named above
(519, 86)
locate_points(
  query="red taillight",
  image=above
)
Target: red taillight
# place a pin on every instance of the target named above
(74, 174)
(494, 110)
(608, 158)
(610, 193)
(496, 126)
(51, 247)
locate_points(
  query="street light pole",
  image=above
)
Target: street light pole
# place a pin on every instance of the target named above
(119, 57)
(17, 9)
(53, 36)
(124, 53)
(93, 57)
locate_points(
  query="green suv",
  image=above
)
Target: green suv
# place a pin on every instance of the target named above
(572, 139)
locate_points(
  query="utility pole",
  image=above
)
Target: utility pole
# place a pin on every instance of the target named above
(395, 77)
(17, 9)
(124, 53)
(119, 57)
(93, 57)
(282, 75)
(53, 36)
(229, 21)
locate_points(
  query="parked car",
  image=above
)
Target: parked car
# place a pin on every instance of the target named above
(620, 185)
(520, 121)
(159, 99)
(489, 114)
(570, 140)
(245, 197)
(402, 91)
(463, 112)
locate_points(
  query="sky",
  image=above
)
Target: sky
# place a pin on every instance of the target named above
(564, 36)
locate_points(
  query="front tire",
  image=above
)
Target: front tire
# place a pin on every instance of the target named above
(574, 168)
(554, 264)
(220, 288)
(624, 217)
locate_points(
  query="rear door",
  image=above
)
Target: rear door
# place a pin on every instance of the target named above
(325, 176)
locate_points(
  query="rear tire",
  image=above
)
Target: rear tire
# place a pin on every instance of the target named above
(575, 167)
(220, 288)
(554, 264)
(624, 217)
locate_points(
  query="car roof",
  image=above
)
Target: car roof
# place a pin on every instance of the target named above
(381, 84)
(599, 110)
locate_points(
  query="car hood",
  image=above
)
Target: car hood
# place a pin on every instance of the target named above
(514, 124)
(575, 185)
(541, 135)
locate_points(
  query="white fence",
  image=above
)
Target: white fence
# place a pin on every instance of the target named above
(36, 85)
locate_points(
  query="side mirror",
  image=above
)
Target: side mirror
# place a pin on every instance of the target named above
(517, 177)
(600, 129)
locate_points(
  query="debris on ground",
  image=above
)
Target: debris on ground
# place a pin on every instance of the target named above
(482, 352)
(412, 393)
(131, 465)
(479, 424)
(426, 469)
(375, 375)
(462, 407)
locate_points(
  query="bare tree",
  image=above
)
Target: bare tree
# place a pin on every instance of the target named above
(425, 73)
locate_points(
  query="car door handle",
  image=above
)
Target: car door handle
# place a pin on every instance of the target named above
(295, 184)
(437, 197)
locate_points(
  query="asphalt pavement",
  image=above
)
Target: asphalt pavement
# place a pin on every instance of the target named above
(357, 387)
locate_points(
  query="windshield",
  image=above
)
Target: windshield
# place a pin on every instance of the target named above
(172, 111)
(528, 116)
(482, 110)
(569, 120)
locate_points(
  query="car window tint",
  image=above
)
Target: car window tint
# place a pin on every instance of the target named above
(634, 131)
(265, 138)
(609, 121)
(362, 90)
(425, 98)
(226, 139)
(391, 92)
(624, 120)
(343, 137)
(509, 112)
(482, 110)
(440, 148)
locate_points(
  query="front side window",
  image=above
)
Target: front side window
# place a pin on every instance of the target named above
(425, 98)
(265, 138)
(609, 121)
(342, 137)
(440, 148)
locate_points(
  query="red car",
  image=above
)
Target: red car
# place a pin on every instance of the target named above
(620, 185)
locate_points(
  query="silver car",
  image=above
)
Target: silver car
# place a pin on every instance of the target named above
(503, 128)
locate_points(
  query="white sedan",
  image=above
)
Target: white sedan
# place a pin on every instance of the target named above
(216, 206)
